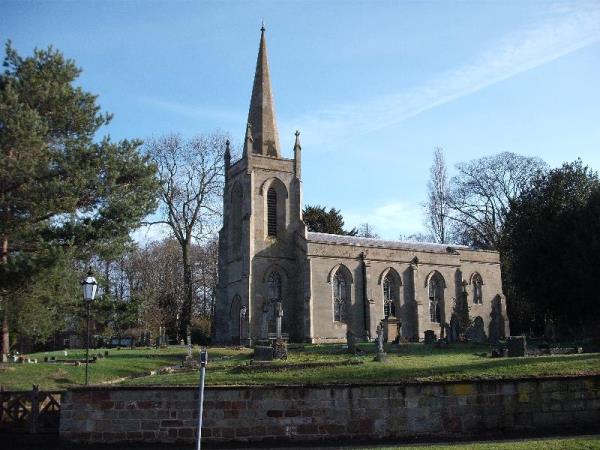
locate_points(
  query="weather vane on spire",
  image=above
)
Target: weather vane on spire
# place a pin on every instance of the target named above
(262, 26)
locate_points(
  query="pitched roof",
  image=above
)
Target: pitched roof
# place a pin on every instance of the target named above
(369, 242)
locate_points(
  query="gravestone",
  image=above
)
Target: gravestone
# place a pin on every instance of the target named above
(549, 329)
(453, 332)
(477, 332)
(280, 344)
(351, 341)
(497, 321)
(263, 351)
(517, 346)
(430, 337)
(264, 321)
(391, 329)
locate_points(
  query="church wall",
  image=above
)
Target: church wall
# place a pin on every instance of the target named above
(404, 301)
(324, 328)
(424, 271)
(491, 290)
(412, 303)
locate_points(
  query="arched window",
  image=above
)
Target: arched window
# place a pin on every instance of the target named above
(436, 291)
(339, 297)
(271, 212)
(389, 289)
(477, 289)
(236, 218)
(274, 287)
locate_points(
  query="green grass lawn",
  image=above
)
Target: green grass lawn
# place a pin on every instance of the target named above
(578, 443)
(308, 364)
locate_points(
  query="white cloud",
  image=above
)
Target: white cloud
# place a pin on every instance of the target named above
(563, 30)
(389, 220)
(147, 234)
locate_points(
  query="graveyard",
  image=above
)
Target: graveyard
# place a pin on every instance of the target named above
(305, 364)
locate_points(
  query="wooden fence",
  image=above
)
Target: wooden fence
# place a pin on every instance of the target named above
(32, 411)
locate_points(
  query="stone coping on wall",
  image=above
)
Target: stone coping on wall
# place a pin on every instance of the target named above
(100, 387)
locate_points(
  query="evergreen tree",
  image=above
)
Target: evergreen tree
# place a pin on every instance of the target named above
(319, 220)
(60, 188)
(550, 252)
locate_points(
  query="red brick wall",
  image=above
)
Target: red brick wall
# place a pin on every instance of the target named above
(298, 413)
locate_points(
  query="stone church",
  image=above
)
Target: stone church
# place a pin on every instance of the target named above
(327, 286)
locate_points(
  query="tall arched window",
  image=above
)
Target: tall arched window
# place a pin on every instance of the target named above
(339, 297)
(271, 212)
(274, 287)
(477, 289)
(436, 292)
(389, 296)
(236, 218)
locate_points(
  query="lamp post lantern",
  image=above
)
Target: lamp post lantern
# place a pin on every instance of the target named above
(89, 287)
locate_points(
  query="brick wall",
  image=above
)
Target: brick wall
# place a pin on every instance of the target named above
(329, 412)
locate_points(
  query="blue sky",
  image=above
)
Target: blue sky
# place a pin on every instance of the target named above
(373, 86)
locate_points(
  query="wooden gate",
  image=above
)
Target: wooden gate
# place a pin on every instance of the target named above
(32, 411)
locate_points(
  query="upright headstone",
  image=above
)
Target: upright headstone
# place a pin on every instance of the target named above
(549, 329)
(391, 327)
(263, 350)
(454, 329)
(430, 337)
(497, 321)
(350, 340)
(517, 346)
(264, 322)
(478, 331)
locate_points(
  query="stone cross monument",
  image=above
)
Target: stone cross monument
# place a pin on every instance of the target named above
(278, 317)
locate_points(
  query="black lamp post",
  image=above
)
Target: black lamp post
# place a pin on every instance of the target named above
(90, 286)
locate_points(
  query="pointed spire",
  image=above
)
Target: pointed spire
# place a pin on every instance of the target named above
(248, 141)
(227, 155)
(297, 155)
(297, 145)
(261, 116)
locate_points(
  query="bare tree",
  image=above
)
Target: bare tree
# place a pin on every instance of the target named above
(482, 192)
(154, 274)
(367, 230)
(436, 207)
(191, 174)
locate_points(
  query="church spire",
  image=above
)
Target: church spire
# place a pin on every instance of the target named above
(261, 116)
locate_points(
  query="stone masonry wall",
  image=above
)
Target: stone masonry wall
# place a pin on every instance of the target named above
(330, 412)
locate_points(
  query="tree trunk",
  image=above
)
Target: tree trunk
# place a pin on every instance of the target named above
(186, 310)
(5, 333)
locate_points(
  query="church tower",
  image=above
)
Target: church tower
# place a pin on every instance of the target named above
(261, 216)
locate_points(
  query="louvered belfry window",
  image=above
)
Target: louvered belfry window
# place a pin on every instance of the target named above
(272, 212)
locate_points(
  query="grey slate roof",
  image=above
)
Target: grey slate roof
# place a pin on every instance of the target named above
(325, 238)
